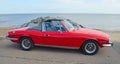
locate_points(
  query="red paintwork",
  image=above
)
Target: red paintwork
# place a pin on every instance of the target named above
(73, 38)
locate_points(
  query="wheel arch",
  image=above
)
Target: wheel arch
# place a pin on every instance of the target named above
(25, 37)
(90, 40)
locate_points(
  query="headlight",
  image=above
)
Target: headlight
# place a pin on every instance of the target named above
(110, 40)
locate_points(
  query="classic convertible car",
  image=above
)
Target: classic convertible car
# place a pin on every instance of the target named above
(60, 33)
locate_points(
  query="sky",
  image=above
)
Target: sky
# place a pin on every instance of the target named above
(59, 6)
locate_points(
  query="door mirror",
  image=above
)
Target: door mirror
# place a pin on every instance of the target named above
(59, 31)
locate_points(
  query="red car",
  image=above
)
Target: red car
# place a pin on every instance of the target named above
(60, 33)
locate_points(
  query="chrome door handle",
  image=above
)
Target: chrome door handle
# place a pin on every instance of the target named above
(46, 35)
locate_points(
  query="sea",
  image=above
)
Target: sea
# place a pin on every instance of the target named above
(95, 21)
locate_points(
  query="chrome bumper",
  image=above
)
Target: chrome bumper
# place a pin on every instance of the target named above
(108, 45)
(9, 38)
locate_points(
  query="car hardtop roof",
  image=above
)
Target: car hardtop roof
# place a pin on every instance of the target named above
(53, 20)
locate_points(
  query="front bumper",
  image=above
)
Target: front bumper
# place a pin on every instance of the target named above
(108, 45)
(10, 38)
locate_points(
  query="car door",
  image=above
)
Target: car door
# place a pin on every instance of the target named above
(51, 34)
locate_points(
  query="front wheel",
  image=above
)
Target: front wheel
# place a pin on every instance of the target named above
(90, 47)
(26, 44)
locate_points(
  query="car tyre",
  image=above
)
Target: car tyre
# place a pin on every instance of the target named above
(26, 44)
(90, 47)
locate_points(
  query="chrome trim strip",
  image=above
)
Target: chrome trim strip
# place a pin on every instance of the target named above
(8, 38)
(57, 46)
(108, 45)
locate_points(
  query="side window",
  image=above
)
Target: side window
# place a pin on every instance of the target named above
(52, 26)
(58, 26)
(49, 26)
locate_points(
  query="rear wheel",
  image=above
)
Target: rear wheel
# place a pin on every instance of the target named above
(90, 47)
(26, 44)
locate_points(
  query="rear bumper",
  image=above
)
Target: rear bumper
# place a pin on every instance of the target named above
(108, 45)
(10, 38)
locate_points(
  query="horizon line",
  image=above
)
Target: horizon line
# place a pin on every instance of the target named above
(58, 13)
